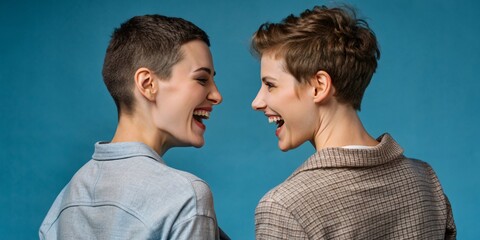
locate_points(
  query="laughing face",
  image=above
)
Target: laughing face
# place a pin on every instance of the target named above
(186, 99)
(287, 103)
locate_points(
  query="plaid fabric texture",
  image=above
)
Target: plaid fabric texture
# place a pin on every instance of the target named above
(341, 193)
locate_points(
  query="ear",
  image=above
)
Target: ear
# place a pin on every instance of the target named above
(145, 83)
(322, 86)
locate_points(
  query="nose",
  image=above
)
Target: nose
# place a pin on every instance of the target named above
(214, 96)
(258, 103)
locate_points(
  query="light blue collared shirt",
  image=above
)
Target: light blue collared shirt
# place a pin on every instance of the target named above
(127, 192)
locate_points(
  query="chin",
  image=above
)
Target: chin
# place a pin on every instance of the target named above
(196, 142)
(199, 143)
(283, 148)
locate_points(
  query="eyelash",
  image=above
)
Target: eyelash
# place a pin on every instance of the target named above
(269, 85)
(202, 81)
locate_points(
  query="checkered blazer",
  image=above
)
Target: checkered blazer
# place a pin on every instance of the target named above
(341, 193)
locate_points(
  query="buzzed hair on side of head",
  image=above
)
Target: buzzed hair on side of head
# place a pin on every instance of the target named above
(150, 41)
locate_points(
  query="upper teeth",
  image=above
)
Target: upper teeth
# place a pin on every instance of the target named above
(272, 119)
(202, 113)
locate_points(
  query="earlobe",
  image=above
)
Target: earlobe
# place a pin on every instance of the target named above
(322, 86)
(145, 83)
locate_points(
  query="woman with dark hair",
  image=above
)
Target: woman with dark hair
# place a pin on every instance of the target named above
(159, 71)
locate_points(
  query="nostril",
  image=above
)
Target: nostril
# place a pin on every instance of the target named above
(215, 97)
(256, 105)
(218, 100)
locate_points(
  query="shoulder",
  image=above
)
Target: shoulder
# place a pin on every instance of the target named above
(147, 176)
(295, 189)
(274, 202)
(420, 169)
(289, 196)
(140, 185)
(277, 218)
(425, 174)
(200, 191)
(304, 196)
(177, 190)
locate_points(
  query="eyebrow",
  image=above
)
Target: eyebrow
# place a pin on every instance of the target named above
(205, 69)
(266, 78)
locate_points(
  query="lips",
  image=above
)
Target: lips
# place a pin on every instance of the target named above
(277, 120)
(199, 114)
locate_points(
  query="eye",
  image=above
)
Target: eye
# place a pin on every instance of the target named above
(269, 85)
(202, 81)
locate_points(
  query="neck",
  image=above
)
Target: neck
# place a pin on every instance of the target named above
(341, 126)
(134, 128)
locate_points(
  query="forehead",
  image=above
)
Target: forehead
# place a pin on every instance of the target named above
(272, 65)
(274, 68)
(196, 54)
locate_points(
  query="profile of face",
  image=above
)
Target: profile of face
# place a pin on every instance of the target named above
(287, 103)
(187, 98)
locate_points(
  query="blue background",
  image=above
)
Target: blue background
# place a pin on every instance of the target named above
(54, 106)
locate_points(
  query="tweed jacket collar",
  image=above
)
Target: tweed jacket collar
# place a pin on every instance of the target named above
(386, 151)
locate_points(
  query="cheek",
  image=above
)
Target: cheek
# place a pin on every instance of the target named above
(172, 113)
(301, 116)
(288, 104)
(281, 102)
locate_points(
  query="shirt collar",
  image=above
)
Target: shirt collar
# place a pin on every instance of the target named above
(105, 151)
(386, 151)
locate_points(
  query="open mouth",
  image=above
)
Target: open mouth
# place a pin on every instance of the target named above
(199, 115)
(277, 120)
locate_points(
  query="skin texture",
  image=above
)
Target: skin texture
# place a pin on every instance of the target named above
(310, 111)
(282, 96)
(164, 110)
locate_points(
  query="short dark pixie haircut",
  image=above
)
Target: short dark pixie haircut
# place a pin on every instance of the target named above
(329, 39)
(150, 41)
